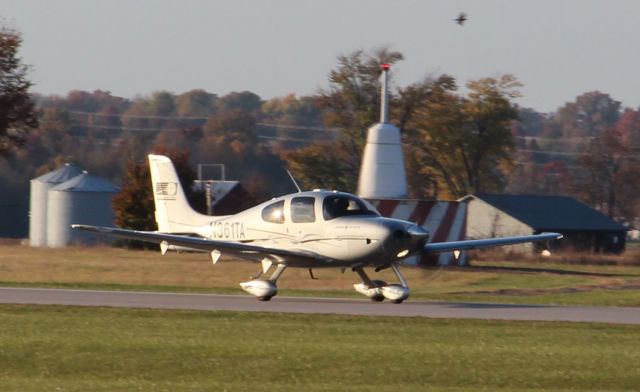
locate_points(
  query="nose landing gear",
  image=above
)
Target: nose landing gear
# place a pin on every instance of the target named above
(378, 290)
(373, 290)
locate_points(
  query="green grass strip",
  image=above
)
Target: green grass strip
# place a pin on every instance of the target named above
(105, 349)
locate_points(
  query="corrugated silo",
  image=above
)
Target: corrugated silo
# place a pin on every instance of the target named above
(84, 199)
(38, 201)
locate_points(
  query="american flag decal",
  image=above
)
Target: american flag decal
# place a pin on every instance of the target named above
(166, 190)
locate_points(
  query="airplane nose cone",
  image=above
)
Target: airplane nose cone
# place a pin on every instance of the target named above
(405, 239)
(418, 234)
(413, 232)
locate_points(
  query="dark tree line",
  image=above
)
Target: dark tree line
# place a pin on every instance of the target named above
(455, 144)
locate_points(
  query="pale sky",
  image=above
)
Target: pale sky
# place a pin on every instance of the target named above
(557, 48)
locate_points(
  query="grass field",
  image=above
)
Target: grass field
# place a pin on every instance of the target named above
(533, 281)
(56, 348)
(102, 349)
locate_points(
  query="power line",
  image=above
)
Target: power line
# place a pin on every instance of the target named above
(567, 165)
(296, 127)
(571, 140)
(146, 116)
(286, 139)
(138, 129)
(549, 152)
(300, 127)
(193, 118)
(282, 138)
(131, 129)
(550, 139)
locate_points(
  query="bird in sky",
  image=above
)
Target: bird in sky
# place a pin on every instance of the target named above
(461, 18)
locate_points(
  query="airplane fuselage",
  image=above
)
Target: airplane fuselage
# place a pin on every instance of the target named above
(345, 229)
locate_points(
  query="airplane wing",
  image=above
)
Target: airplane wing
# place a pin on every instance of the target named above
(215, 247)
(441, 247)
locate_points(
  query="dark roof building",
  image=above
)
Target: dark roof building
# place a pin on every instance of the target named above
(226, 197)
(583, 227)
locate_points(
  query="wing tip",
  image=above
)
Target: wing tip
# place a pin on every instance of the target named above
(557, 236)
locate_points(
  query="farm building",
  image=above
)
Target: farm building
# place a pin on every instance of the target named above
(584, 228)
(226, 197)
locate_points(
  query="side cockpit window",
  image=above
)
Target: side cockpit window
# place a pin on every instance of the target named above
(274, 212)
(302, 209)
(337, 206)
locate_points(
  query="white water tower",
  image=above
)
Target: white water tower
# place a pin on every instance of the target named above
(382, 174)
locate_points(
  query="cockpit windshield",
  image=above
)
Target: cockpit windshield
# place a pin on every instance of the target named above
(340, 205)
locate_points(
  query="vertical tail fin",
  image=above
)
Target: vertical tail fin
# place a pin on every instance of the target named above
(173, 212)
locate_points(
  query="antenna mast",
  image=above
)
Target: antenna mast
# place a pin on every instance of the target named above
(382, 174)
(384, 104)
(294, 181)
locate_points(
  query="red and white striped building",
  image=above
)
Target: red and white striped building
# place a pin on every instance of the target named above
(445, 220)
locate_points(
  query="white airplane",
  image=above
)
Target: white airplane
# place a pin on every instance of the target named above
(317, 229)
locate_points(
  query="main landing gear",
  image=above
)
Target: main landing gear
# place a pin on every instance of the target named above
(378, 290)
(264, 289)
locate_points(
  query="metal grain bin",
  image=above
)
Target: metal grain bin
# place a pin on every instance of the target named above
(84, 199)
(40, 187)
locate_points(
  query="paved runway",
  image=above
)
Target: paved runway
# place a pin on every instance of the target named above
(319, 305)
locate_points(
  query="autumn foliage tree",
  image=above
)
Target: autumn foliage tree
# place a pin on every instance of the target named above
(589, 115)
(351, 105)
(133, 206)
(610, 178)
(466, 142)
(453, 145)
(17, 110)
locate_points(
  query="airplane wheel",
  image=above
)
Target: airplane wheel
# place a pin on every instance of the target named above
(397, 301)
(377, 298)
(264, 298)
